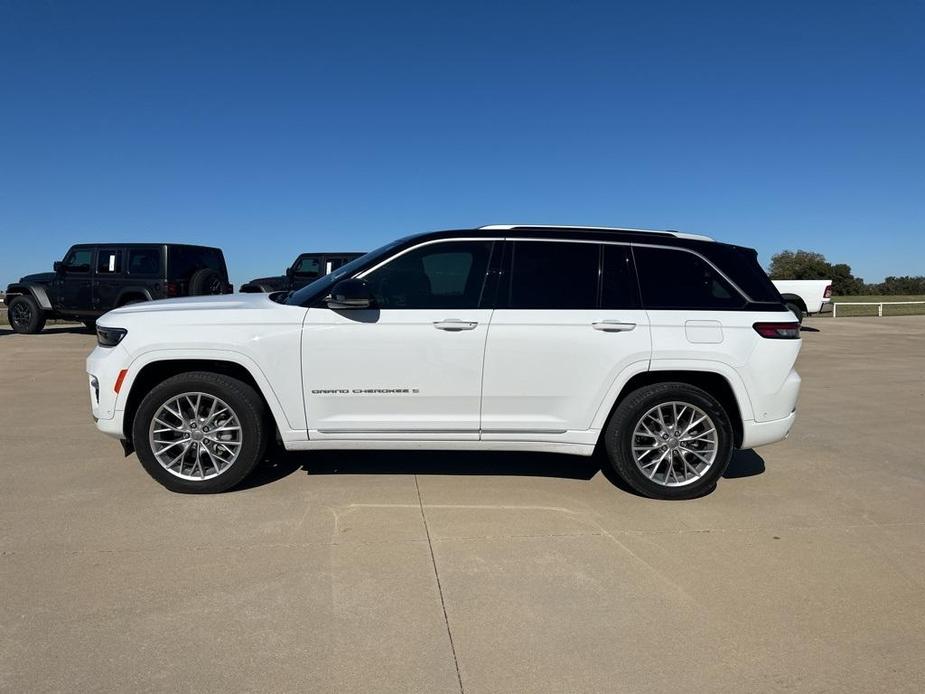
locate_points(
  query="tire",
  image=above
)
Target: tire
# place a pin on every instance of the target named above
(667, 478)
(178, 435)
(91, 325)
(206, 282)
(796, 310)
(25, 315)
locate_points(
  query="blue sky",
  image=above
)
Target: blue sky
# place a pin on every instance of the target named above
(271, 128)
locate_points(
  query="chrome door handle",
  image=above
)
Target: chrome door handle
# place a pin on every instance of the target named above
(455, 324)
(612, 326)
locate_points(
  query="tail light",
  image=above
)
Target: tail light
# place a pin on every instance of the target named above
(172, 289)
(827, 294)
(778, 331)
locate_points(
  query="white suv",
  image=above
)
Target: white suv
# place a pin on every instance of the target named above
(665, 350)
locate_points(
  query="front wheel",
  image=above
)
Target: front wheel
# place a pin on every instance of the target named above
(25, 315)
(200, 432)
(669, 441)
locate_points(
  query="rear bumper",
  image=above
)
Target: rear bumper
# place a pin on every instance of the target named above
(756, 434)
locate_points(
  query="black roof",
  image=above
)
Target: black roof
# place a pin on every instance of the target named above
(663, 238)
(121, 244)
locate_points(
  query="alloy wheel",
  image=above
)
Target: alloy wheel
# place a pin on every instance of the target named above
(195, 436)
(20, 314)
(674, 444)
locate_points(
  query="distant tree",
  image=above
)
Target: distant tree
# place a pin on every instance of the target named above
(809, 265)
(843, 282)
(902, 285)
(799, 265)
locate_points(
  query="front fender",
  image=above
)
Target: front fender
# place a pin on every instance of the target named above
(291, 428)
(38, 291)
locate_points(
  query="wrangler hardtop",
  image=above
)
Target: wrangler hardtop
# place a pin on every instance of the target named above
(94, 278)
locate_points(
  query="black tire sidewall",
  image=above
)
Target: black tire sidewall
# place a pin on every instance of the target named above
(37, 318)
(619, 435)
(796, 311)
(246, 404)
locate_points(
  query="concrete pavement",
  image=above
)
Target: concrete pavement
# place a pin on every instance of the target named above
(437, 572)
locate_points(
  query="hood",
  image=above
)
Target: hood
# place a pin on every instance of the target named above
(38, 278)
(216, 302)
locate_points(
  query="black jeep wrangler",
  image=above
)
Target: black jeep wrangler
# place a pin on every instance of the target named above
(306, 269)
(94, 278)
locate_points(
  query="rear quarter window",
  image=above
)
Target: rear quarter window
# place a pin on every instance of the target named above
(144, 261)
(677, 279)
(742, 267)
(183, 261)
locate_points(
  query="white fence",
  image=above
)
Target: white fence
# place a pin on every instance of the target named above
(878, 304)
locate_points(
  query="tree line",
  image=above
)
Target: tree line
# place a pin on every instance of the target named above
(807, 265)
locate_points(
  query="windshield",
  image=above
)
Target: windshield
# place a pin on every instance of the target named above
(322, 284)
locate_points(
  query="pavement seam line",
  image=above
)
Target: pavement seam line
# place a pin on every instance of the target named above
(433, 561)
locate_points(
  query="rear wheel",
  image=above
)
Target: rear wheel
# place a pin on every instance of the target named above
(796, 311)
(669, 441)
(200, 432)
(25, 315)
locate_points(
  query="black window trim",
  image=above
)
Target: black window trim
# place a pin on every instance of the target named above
(499, 263)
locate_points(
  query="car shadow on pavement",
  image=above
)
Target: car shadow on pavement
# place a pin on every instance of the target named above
(53, 330)
(280, 464)
(744, 464)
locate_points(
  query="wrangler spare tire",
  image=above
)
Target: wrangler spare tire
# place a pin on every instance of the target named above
(206, 281)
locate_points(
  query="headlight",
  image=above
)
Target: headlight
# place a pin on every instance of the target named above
(109, 337)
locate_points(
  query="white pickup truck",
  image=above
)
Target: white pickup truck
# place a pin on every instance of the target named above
(805, 297)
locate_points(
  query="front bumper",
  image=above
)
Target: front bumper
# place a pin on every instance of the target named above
(103, 367)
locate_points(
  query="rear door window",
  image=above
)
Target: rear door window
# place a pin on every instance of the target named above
(144, 261)
(108, 261)
(553, 275)
(677, 279)
(332, 262)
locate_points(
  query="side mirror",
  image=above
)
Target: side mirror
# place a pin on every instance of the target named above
(289, 272)
(350, 294)
(59, 266)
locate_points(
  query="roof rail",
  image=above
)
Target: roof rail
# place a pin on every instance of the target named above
(670, 232)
